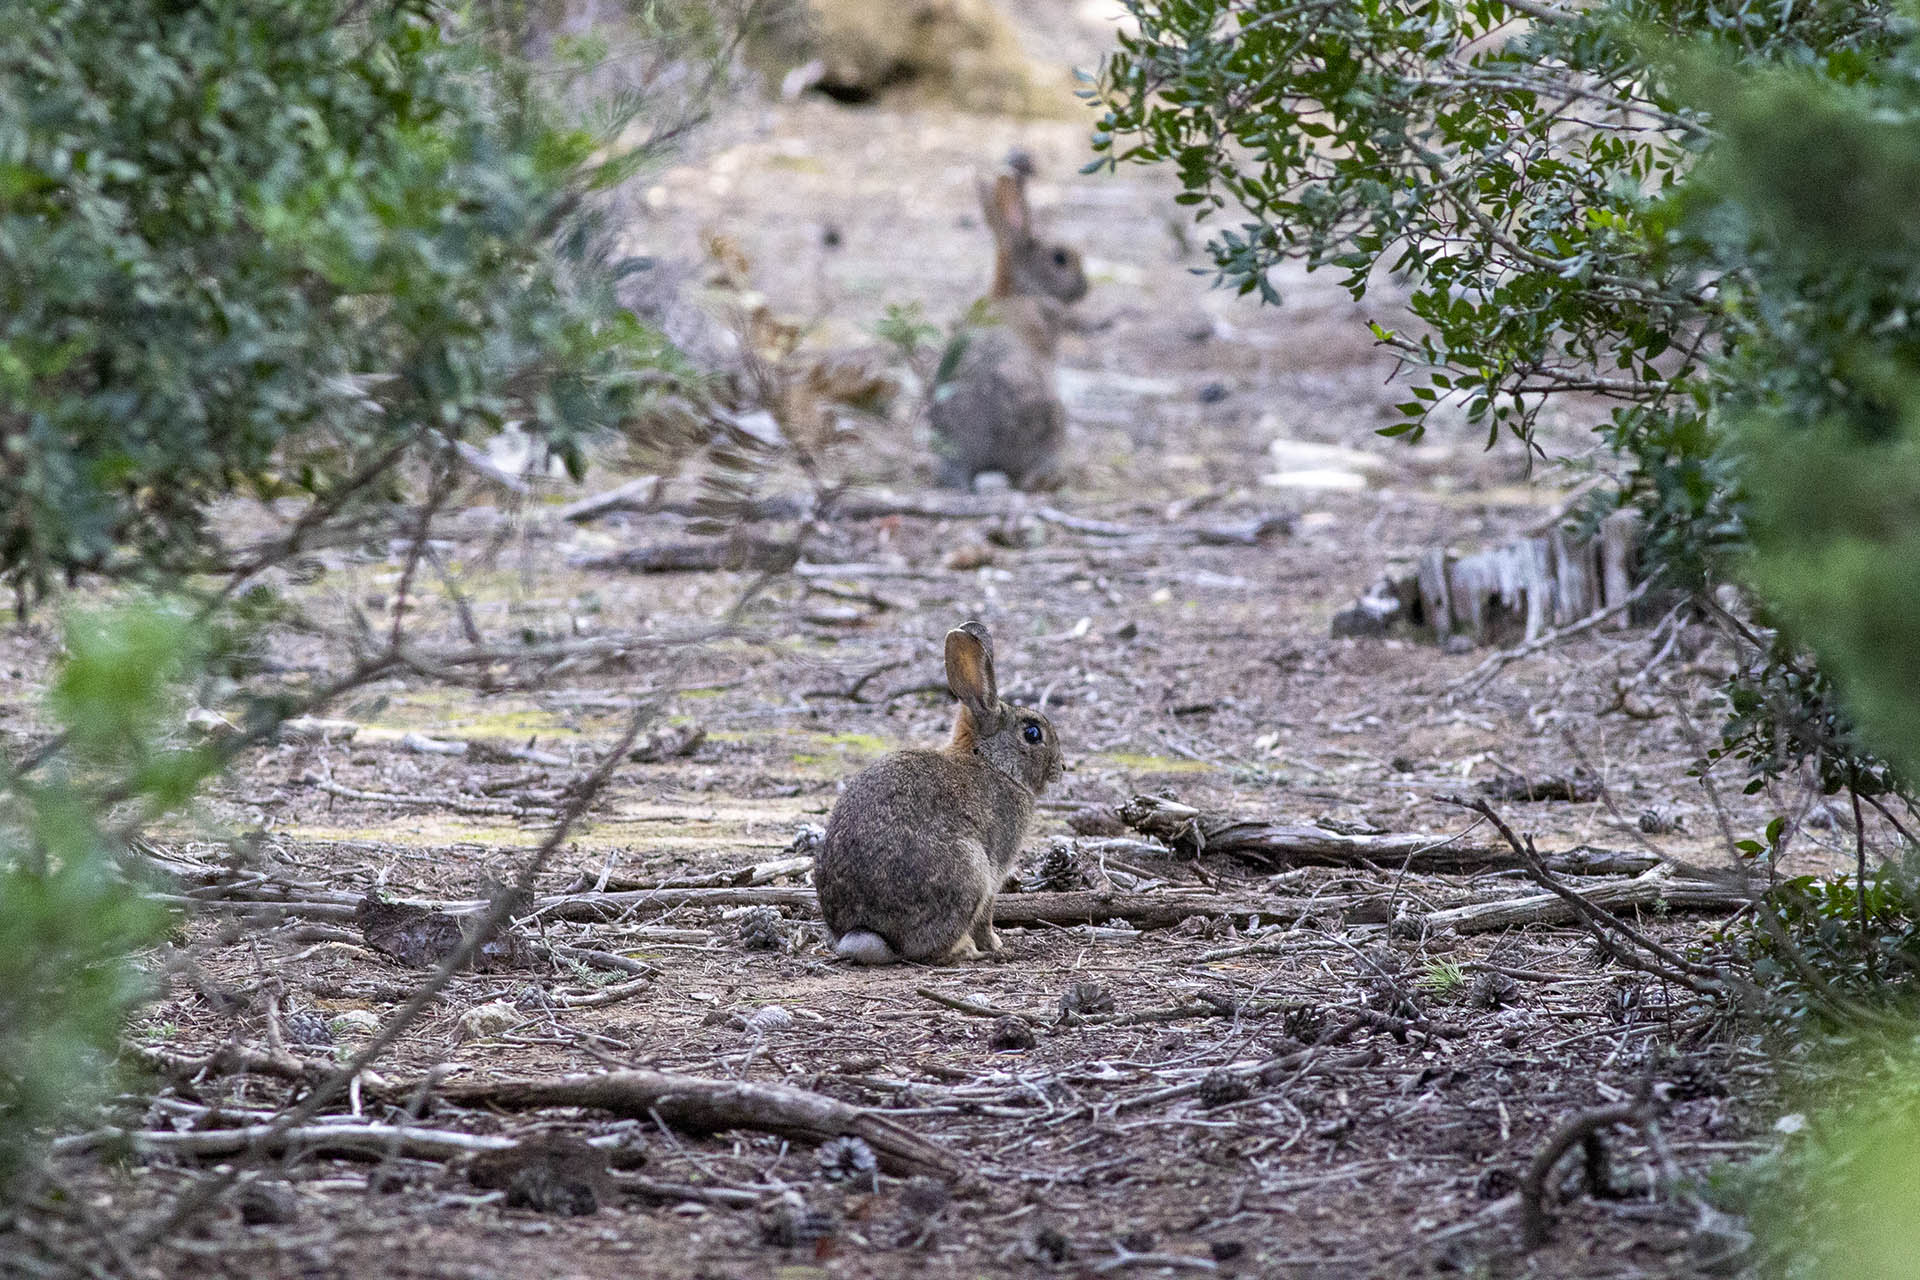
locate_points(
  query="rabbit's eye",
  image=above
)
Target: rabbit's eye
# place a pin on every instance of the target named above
(1031, 732)
(1059, 257)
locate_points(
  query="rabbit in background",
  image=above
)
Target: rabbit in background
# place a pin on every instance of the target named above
(919, 843)
(996, 408)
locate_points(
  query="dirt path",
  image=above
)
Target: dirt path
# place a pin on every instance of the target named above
(1181, 1120)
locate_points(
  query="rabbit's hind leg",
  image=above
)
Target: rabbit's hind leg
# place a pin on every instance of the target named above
(983, 935)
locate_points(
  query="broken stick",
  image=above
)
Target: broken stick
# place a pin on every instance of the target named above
(698, 1105)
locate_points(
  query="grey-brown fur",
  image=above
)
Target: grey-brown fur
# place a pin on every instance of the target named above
(997, 410)
(920, 842)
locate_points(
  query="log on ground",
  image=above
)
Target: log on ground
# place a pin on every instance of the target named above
(1191, 832)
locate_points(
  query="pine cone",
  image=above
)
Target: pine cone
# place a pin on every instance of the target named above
(762, 929)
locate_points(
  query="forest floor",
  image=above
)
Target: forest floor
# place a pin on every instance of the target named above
(1165, 1100)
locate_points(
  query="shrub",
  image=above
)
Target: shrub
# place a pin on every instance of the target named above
(276, 248)
(70, 915)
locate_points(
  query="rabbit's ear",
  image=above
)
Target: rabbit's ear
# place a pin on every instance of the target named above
(1005, 204)
(970, 673)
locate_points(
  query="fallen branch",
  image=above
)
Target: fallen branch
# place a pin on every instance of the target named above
(1584, 1128)
(229, 1059)
(640, 494)
(643, 495)
(1192, 832)
(739, 877)
(1607, 927)
(1156, 910)
(1651, 889)
(350, 1139)
(739, 554)
(455, 804)
(696, 1105)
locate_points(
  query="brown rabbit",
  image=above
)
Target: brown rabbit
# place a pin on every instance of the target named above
(997, 410)
(920, 842)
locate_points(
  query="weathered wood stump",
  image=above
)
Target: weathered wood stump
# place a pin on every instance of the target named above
(1518, 591)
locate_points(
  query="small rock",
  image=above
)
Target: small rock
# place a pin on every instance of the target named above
(1372, 614)
(969, 555)
(668, 742)
(1656, 823)
(1096, 820)
(1623, 1006)
(1495, 1183)
(991, 482)
(790, 1221)
(484, 1020)
(1051, 1244)
(422, 937)
(534, 998)
(1304, 1022)
(766, 1020)
(1391, 996)
(1492, 991)
(1011, 1035)
(924, 1197)
(209, 724)
(1197, 926)
(1457, 644)
(552, 1173)
(806, 840)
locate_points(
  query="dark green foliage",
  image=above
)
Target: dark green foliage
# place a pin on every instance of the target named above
(1823, 916)
(260, 246)
(68, 915)
(1805, 209)
(1508, 172)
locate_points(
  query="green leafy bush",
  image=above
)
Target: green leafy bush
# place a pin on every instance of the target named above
(70, 916)
(1839, 1198)
(277, 247)
(1804, 209)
